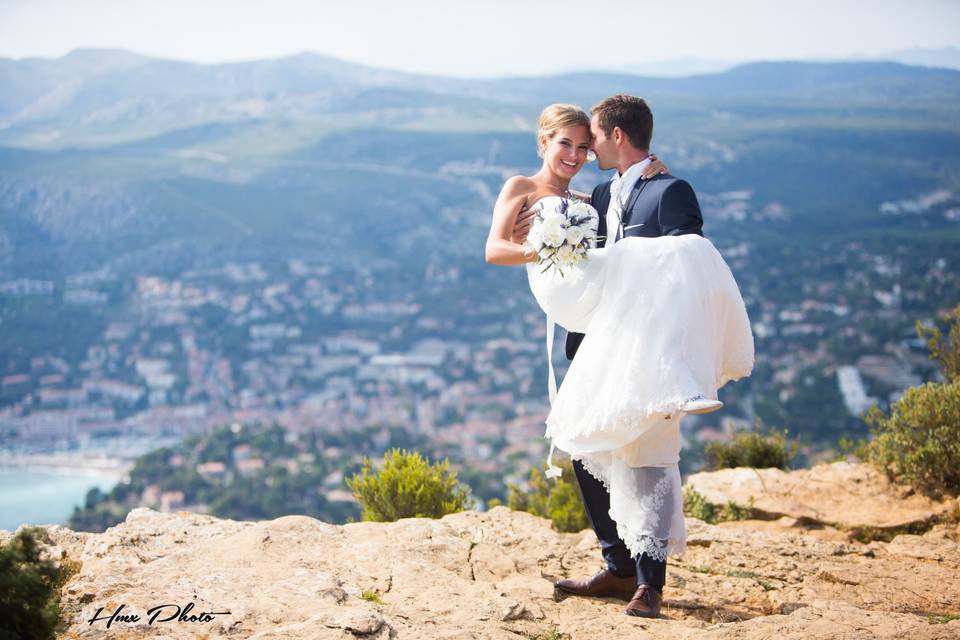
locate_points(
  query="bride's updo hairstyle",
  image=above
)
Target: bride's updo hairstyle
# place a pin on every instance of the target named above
(558, 116)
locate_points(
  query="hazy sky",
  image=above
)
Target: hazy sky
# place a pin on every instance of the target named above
(483, 37)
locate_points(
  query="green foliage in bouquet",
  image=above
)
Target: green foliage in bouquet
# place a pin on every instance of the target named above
(408, 486)
(30, 587)
(558, 500)
(758, 448)
(918, 443)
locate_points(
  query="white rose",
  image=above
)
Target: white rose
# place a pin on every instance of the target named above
(554, 237)
(565, 255)
(553, 217)
(553, 224)
(535, 237)
(574, 235)
(582, 210)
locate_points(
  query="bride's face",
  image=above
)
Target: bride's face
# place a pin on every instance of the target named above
(566, 151)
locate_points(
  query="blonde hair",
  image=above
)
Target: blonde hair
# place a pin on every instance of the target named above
(558, 116)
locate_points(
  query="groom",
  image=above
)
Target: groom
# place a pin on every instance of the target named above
(622, 127)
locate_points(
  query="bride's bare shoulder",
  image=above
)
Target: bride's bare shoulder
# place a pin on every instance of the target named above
(516, 186)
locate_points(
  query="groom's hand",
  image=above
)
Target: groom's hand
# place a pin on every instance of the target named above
(522, 226)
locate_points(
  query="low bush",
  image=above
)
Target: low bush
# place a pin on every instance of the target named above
(696, 505)
(759, 448)
(30, 587)
(918, 442)
(408, 486)
(559, 500)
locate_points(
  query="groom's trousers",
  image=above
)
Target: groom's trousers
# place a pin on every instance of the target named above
(596, 502)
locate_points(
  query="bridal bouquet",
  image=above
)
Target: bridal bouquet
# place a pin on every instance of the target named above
(562, 235)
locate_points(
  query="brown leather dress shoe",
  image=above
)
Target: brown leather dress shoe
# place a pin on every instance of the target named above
(603, 584)
(645, 603)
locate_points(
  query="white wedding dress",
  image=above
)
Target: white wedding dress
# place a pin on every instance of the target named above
(664, 322)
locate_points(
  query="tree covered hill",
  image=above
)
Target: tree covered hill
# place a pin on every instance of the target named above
(831, 188)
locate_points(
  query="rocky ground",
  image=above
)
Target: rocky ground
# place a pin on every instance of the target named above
(490, 574)
(851, 497)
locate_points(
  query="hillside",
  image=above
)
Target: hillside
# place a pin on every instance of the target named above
(489, 575)
(211, 241)
(94, 97)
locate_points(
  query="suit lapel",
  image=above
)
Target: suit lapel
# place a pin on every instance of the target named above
(602, 204)
(634, 194)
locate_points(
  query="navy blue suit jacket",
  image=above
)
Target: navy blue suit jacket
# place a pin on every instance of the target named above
(661, 206)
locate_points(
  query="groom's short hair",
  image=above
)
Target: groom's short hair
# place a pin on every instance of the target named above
(631, 114)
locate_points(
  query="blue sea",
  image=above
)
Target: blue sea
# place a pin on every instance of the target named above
(39, 497)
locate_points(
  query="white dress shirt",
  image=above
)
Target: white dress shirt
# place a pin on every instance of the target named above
(620, 188)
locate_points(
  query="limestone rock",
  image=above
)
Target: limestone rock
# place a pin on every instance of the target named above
(845, 495)
(489, 575)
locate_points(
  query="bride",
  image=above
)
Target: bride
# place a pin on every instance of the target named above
(664, 323)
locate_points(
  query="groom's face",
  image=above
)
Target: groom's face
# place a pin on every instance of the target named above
(608, 156)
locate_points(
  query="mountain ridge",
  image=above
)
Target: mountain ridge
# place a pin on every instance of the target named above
(111, 84)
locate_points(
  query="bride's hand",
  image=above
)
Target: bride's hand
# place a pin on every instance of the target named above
(522, 226)
(655, 168)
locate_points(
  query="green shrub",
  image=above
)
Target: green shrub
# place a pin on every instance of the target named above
(371, 595)
(919, 442)
(758, 449)
(851, 447)
(945, 352)
(695, 505)
(558, 500)
(550, 634)
(407, 486)
(30, 587)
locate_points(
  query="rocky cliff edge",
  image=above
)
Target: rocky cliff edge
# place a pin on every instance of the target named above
(797, 572)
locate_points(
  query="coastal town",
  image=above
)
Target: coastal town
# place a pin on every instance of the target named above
(456, 363)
